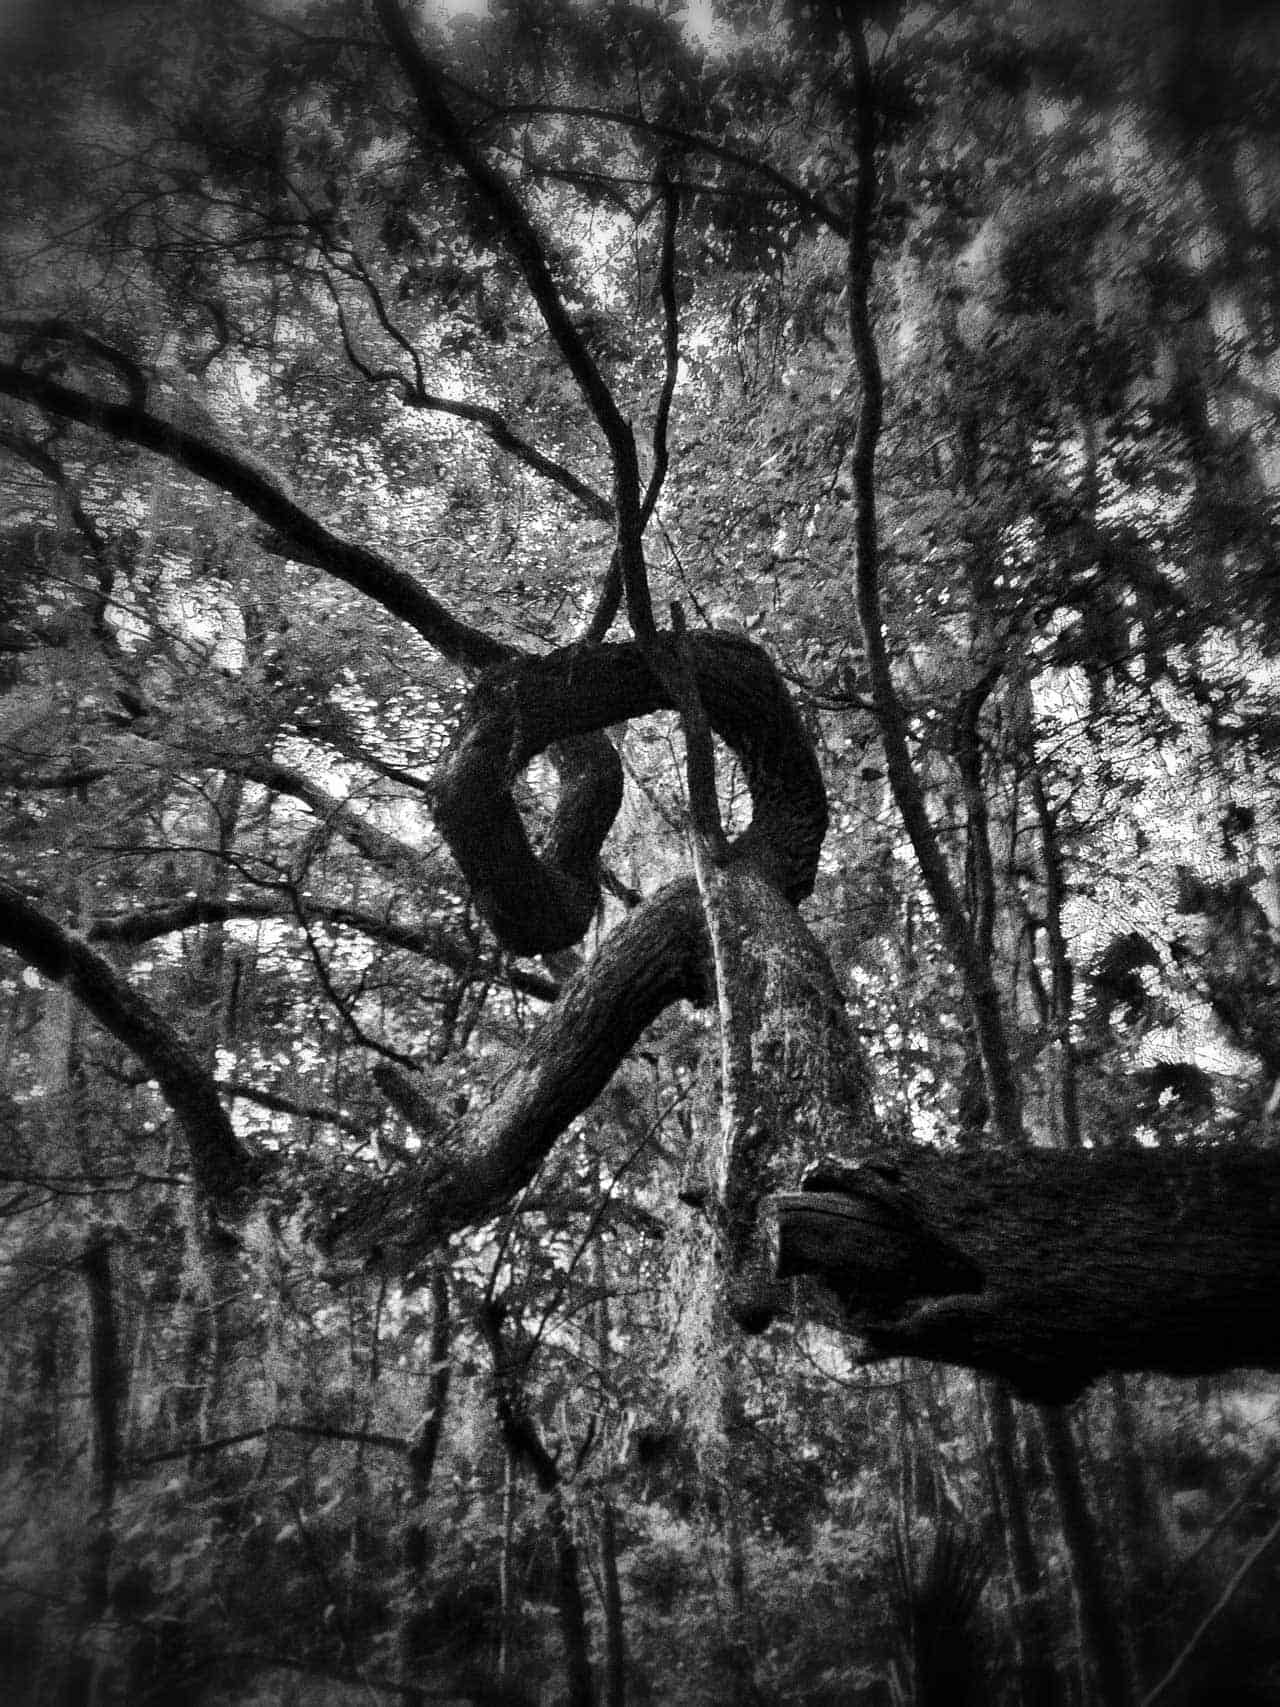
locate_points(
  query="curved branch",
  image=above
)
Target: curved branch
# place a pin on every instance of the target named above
(538, 903)
(415, 395)
(308, 539)
(500, 431)
(441, 123)
(223, 1163)
(657, 956)
(377, 845)
(694, 142)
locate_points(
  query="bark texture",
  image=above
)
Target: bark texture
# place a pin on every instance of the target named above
(1049, 1267)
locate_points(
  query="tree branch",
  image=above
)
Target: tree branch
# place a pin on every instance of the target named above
(415, 395)
(694, 142)
(377, 845)
(517, 228)
(1048, 1267)
(308, 539)
(537, 903)
(657, 956)
(974, 967)
(223, 1164)
(432, 941)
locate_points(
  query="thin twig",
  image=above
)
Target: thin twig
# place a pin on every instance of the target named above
(1215, 1611)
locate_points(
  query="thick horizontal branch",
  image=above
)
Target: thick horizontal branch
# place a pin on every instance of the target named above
(657, 956)
(1049, 1267)
(536, 903)
(222, 1162)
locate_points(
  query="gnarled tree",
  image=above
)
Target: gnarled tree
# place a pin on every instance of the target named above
(1041, 1266)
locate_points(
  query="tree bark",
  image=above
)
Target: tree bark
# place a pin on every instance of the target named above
(539, 903)
(1049, 1267)
(420, 1462)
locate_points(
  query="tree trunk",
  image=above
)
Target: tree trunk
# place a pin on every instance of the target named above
(420, 1462)
(506, 1586)
(106, 1403)
(421, 1457)
(1061, 976)
(573, 1612)
(525, 1444)
(1142, 1546)
(1039, 1682)
(1096, 1601)
(615, 1648)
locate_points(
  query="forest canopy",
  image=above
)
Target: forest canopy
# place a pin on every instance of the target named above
(639, 701)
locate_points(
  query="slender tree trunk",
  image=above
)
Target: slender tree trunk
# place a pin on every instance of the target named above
(615, 1649)
(1142, 1546)
(106, 1403)
(1039, 1681)
(720, 1469)
(506, 1583)
(1061, 985)
(420, 1463)
(425, 1446)
(573, 1612)
(524, 1443)
(1096, 1603)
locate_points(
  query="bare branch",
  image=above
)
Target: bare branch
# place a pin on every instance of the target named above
(693, 141)
(308, 539)
(527, 249)
(432, 941)
(500, 431)
(304, 1431)
(325, 1113)
(670, 341)
(223, 1163)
